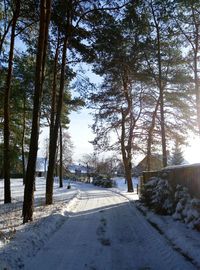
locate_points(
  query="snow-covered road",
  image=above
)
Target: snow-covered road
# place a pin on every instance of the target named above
(104, 232)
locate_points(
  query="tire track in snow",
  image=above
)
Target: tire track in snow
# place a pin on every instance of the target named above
(154, 243)
(174, 247)
(134, 243)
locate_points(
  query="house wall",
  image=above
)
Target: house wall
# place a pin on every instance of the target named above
(155, 164)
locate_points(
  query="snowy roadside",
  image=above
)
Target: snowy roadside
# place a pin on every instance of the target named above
(121, 188)
(183, 239)
(29, 238)
(18, 241)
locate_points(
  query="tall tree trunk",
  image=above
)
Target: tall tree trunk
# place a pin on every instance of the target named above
(54, 88)
(23, 139)
(53, 97)
(150, 135)
(196, 77)
(54, 138)
(45, 10)
(126, 155)
(162, 114)
(61, 159)
(127, 118)
(161, 89)
(197, 92)
(7, 191)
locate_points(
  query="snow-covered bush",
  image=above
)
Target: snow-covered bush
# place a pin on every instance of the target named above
(187, 208)
(158, 195)
(147, 190)
(103, 182)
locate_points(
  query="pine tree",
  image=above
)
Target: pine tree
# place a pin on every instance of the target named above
(54, 135)
(68, 18)
(45, 10)
(7, 191)
(186, 17)
(177, 155)
(118, 103)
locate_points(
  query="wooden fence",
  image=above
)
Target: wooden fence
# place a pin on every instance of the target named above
(187, 175)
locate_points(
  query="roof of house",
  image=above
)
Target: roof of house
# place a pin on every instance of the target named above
(77, 168)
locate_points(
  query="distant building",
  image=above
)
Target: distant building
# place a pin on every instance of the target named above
(79, 169)
(155, 164)
(81, 172)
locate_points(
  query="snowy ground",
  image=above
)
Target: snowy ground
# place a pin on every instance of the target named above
(93, 228)
(11, 214)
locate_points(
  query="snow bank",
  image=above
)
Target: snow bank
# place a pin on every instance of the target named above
(17, 241)
(177, 234)
(182, 239)
(28, 241)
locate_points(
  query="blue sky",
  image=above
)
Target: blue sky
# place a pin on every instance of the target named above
(81, 133)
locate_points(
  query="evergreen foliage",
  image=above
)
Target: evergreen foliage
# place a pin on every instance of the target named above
(177, 155)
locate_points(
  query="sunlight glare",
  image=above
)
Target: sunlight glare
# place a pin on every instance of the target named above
(192, 152)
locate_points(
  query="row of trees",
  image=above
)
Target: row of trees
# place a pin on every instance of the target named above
(148, 56)
(39, 43)
(147, 53)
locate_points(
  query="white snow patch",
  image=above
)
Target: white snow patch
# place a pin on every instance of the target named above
(18, 241)
(182, 238)
(121, 188)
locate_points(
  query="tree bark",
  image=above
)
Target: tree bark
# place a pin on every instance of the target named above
(28, 205)
(54, 88)
(54, 138)
(61, 159)
(161, 90)
(127, 118)
(23, 139)
(150, 135)
(126, 157)
(7, 190)
(53, 99)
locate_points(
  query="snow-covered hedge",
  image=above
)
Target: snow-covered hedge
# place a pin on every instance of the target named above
(187, 208)
(158, 195)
